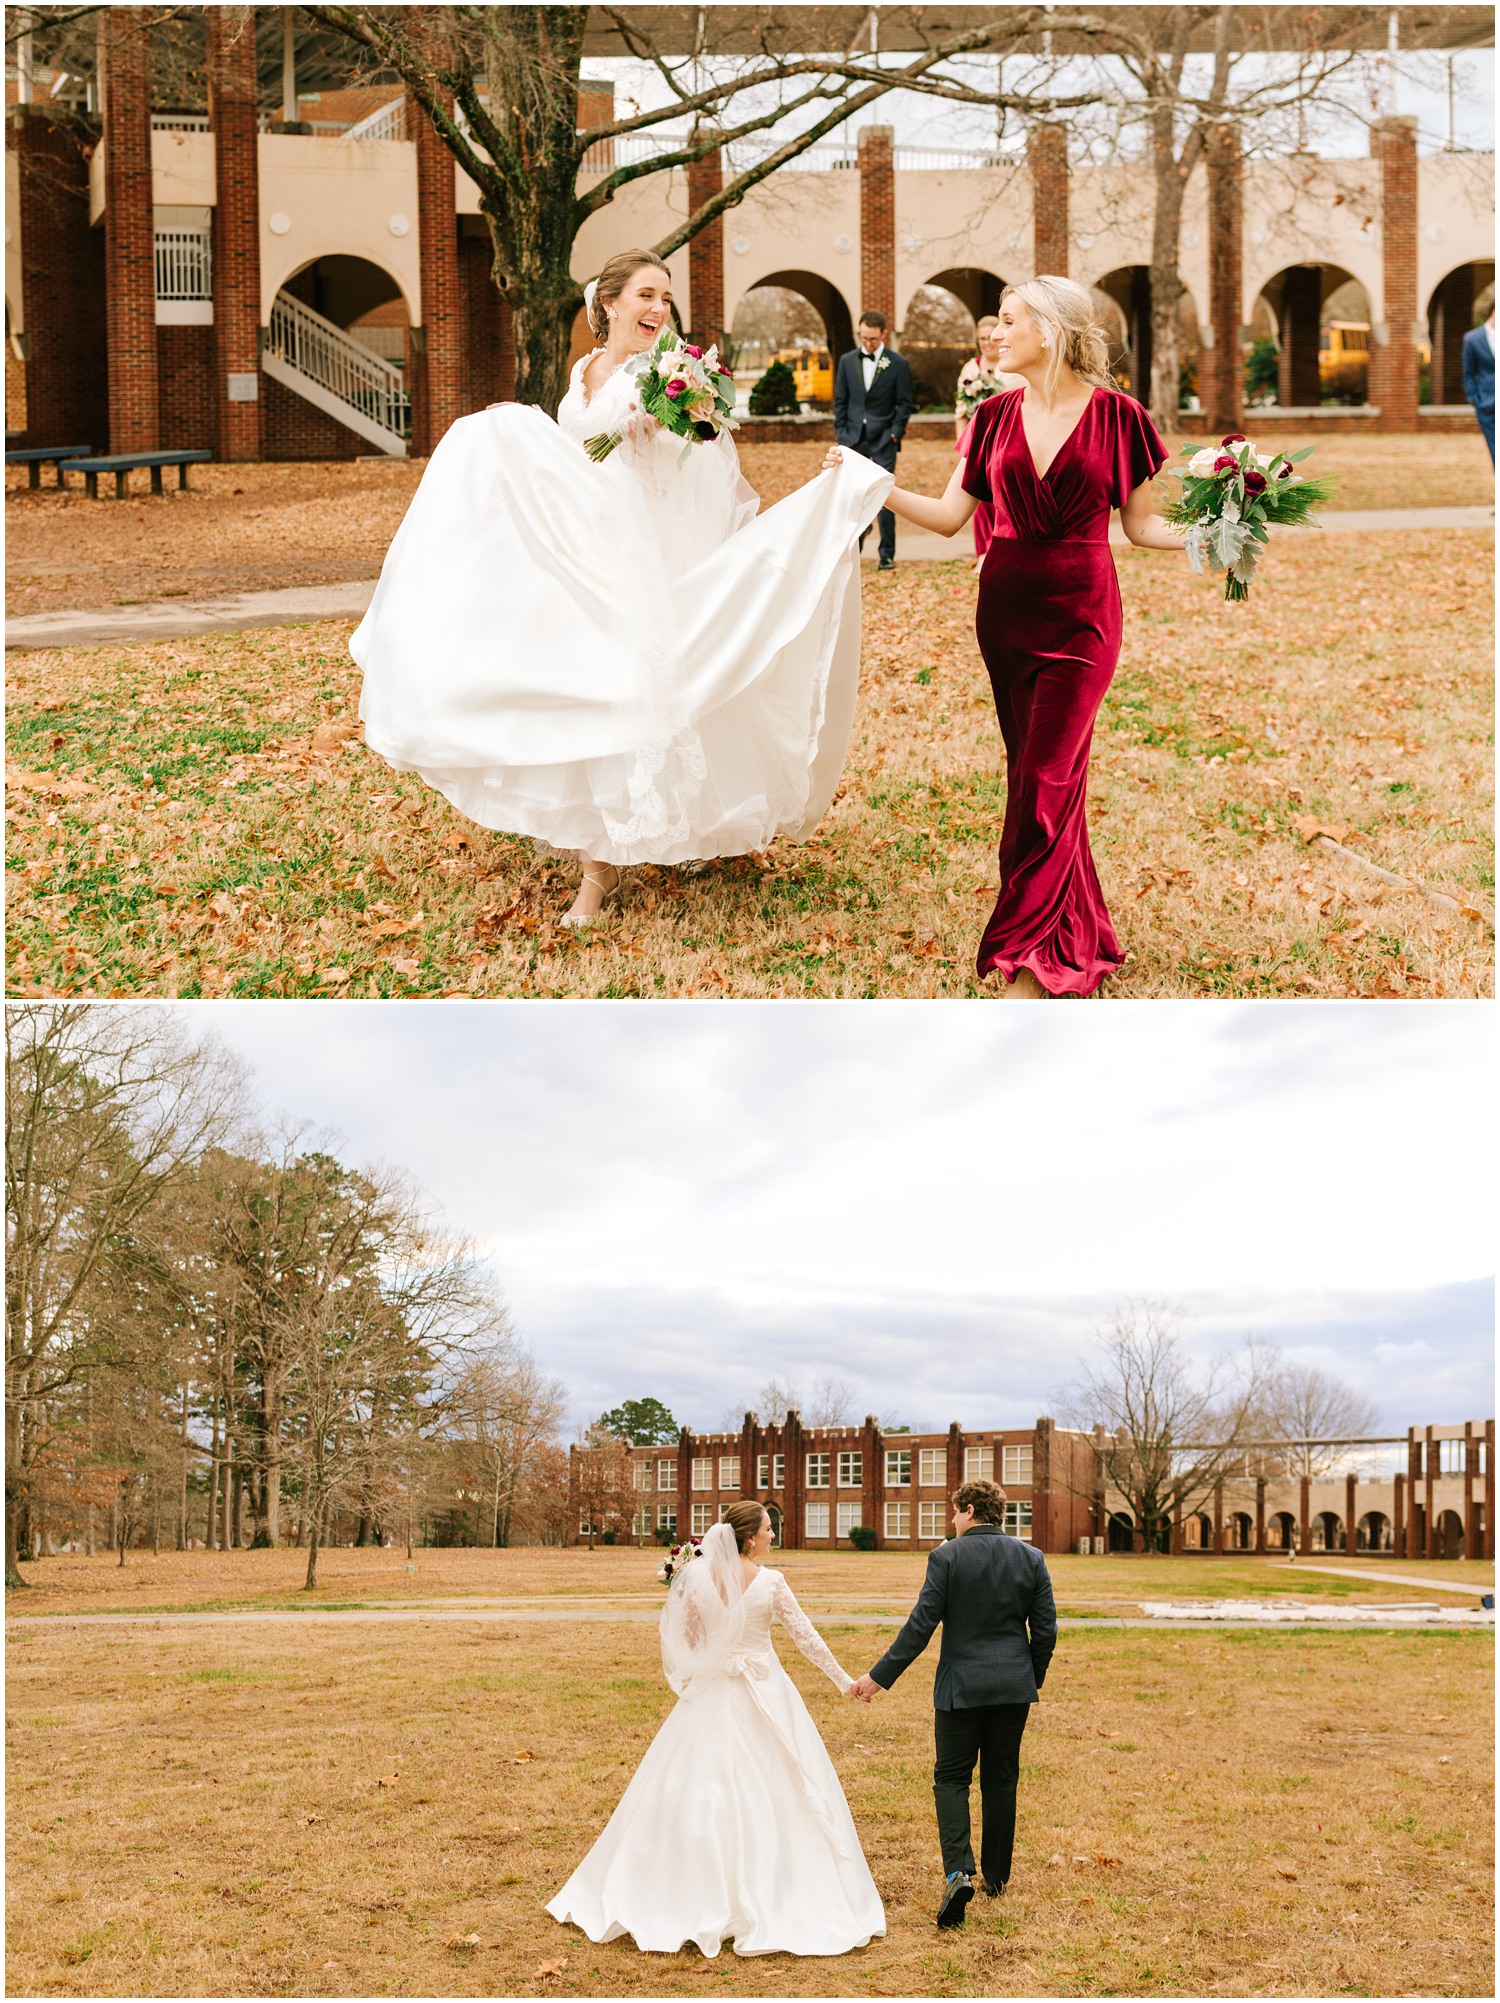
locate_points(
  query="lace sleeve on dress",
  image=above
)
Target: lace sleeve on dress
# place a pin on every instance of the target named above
(806, 1636)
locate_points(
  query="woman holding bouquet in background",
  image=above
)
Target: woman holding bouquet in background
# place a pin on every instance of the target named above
(1052, 458)
(583, 631)
(979, 378)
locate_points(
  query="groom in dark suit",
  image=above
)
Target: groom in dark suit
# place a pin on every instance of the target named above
(993, 1597)
(872, 402)
(1479, 377)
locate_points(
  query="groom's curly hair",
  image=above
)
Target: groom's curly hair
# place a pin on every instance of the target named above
(985, 1498)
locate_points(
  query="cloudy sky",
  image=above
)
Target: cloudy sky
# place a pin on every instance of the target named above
(937, 1203)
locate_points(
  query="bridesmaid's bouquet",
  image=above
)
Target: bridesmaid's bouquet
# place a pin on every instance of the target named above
(970, 395)
(1231, 494)
(683, 388)
(677, 1558)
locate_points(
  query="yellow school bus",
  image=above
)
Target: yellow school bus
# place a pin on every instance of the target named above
(813, 369)
(1343, 344)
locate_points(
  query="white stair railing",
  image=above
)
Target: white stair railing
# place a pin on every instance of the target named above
(184, 264)
(387, 121)
(338, 365)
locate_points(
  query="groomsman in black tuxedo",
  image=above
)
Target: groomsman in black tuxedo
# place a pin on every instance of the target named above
(873, 400)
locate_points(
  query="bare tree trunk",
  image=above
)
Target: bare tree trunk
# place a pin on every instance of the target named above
(14, 1490)
(90, 1534)
(1166, 276)
(313, 1523)
(182, 1494)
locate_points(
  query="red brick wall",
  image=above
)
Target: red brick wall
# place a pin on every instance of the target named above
(292, 428)
(1299, 385)
(187, 376)
(705, 178)
(437, 380)
(1394, 365)
(877, 222)
(491, 373)
(62, 282)
(1047, 156)
(129, 233)
(232, 108)
(1221, 368)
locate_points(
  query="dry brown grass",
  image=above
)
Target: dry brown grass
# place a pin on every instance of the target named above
(1264, 1814)
(878, 1581)
(192, 818)
(261, 528)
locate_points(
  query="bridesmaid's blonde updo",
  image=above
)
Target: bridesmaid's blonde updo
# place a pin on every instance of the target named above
(745, 1519)
(612, 281)
(1064, 312)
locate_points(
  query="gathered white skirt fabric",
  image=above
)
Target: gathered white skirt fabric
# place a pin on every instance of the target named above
(618, 659)
(734, 1828)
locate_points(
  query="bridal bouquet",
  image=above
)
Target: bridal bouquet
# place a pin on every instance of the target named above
(970, 395)
(678, 1557)
(1231, 494)
(683, 388)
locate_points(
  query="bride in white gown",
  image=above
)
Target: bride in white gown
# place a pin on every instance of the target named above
(734, 1826)
(623, 658)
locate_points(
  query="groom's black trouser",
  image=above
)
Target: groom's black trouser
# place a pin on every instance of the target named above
(990, 1733)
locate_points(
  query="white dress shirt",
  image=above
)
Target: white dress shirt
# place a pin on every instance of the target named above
(870, 363)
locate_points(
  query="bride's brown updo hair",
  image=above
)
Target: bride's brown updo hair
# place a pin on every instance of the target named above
(745, 1519)
(612, 281)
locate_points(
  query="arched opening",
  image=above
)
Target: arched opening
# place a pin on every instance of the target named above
(1281, 1531)
(773, 1510)
(1121, 1531)
(361, 298)
(1373, 1532)
(339, 338)
(939, 328)
(1310, 332)
(1450, 1534)
(1198, 1533)
(1241, 1531)
(1327, 1529)
(1123, 300)
(791, 311)
(1459, 301)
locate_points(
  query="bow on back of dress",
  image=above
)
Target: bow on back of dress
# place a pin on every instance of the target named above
(703, 1621)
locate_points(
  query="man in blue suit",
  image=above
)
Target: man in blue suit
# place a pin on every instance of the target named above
(1479, 377)
(994, 1599)
(873, 399)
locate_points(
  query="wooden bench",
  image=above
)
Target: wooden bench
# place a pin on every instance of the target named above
(35, 457)
(121, 463)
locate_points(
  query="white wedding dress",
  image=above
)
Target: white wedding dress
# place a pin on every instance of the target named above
(734, 1826)
(622, 659)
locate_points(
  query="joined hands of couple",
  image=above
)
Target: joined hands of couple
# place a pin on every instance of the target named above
(865, 1688)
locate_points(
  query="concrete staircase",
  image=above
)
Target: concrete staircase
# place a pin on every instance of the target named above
(320, 362)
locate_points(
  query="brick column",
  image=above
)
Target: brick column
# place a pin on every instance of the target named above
(1047, 159)
(1471, 1501)
(129, 234)
(1301, 313)
(872, 1492)
(705, 177)
(796, 1480)
(232, 117)
(1351, 1519)
(1043, 1525)
(1429, 1514)
(1221, 365)
(1260, 1514)
(1398, 1517)
(1174, 1540)
(1489, 1488)
(1219, 1518)
(684, 1484)
(1304, 1519)
(1393, 352)
(437, 392)
(62, 281)
(877, 222)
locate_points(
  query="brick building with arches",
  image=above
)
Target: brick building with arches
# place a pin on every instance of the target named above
(821, 1483)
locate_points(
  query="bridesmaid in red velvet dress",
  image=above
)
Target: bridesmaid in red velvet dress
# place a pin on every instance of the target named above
(1053, 459)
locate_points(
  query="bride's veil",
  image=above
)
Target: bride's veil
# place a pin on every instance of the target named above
(703, 1621)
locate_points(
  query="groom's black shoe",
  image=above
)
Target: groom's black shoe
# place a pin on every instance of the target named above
(956, 1896)
(993, 1891)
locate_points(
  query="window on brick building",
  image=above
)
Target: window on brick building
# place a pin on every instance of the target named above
(817, 1472)
(851, 1470)
(729, 1471)
(817, 1519)
(583, 1526)
(933, 1467)
(644, 1477)
(643, 1520)
(666, 1474)
(930, 1525)
(898, 1519)
(778, 1471)
(979, 1463)
(703, 1517)
(1018, 1519)
(1016, 1463)
(898, 1468)
(770, 1471)
(666, 1517)
(703, 1474)
(762, 1470)
(851, 1515)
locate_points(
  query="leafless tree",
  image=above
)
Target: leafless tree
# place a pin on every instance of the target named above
(603, 1481)
(506, 1411)
(1310, 1413)
(1164, 1430)
(105, 1110)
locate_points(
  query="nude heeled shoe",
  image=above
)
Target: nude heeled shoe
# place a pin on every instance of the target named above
(577, 918)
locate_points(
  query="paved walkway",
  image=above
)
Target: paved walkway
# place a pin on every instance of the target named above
(1384, 1578)
(182, 619)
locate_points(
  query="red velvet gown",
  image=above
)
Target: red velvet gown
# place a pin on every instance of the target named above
(1049, 623)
